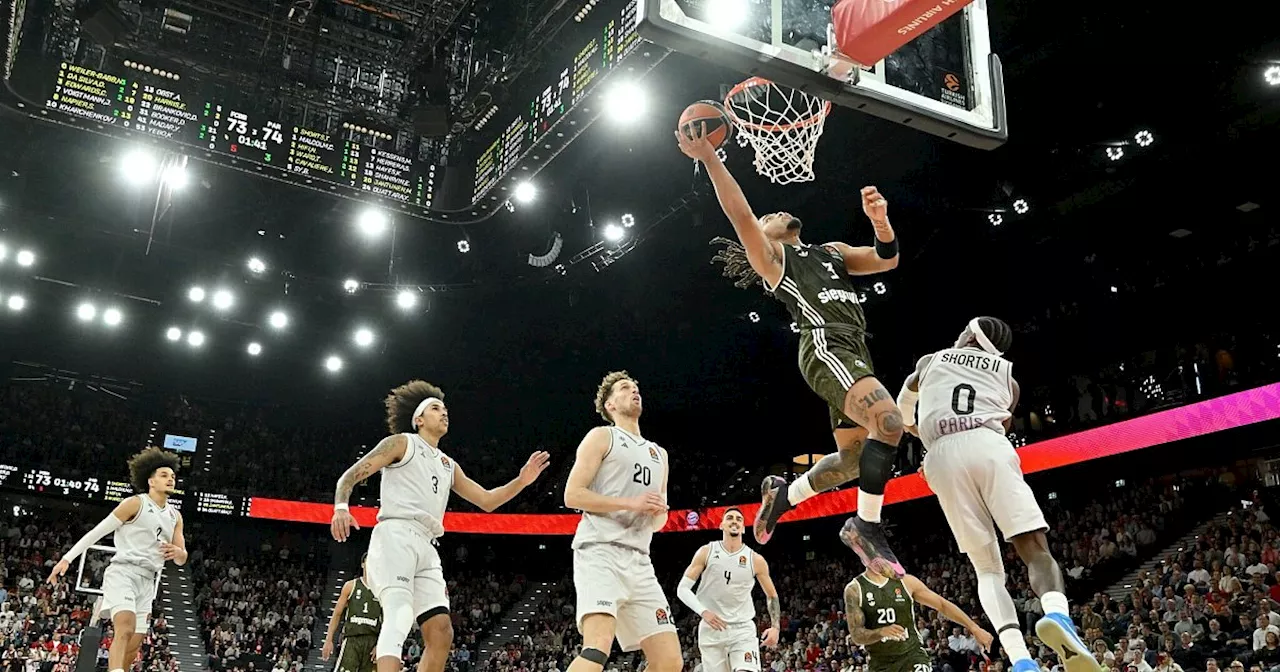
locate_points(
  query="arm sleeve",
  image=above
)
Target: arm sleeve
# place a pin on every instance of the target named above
(108, 525)
(685, 592)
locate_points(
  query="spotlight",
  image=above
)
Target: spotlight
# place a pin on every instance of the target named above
(86, 312)
(139, 166)
(112, 317)
(613, 233)
(628, 220)
(726, 14)
(256, 265)
(175, 176)
(363, 337)
(3, 251)
(753, 316)
(25, 258)
(1272, 75)
(795, 328)
(254, 349)
(1115, 290)
(525, 192)
(626, 102)
(196, 294)
(173, 334)
(16, 302)
(333, 363)
(1021, 206)
(372, 222)
(995, 218)
(879, 288)
(350, 285)
(406, 299)
(222, 299)
(1144, 138)
(195, 339)
(1115, 153)
(278, 320)
(464, 246)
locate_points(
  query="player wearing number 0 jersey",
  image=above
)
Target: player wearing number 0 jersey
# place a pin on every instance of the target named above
(403, 566)
(729, 570)
(619, 483)
(360, 615)
(881, 616)
(147, 531)
(965, 397)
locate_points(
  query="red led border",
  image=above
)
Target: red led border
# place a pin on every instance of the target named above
(1205, 417)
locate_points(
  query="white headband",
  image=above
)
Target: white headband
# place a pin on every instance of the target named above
(975, 330)
(423, 406)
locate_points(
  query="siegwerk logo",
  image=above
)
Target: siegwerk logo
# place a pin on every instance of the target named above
(829, 295)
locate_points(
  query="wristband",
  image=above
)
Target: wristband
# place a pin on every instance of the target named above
(887, 250)
(341, 507)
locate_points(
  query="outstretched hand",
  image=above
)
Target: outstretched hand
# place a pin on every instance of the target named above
(876, 207)
(692, 140)
(538, 463)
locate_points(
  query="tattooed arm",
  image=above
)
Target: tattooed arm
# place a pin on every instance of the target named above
(388, 451)
(858, 632)
(771, 599)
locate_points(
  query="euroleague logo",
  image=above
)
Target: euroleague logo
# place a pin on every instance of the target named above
(952, 82)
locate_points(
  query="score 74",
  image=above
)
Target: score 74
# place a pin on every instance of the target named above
(238, 123)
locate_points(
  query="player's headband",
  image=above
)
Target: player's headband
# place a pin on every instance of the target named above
(975, 330)
(423, 406)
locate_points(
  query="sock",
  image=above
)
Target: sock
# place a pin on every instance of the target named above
(869, 507)
(1014, 645)
(1054, 602)
(800, 490)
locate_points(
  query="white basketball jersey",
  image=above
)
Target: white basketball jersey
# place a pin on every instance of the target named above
(726, 584)
(632, 466)
(138, 541)
(417, 487)
(963, 389)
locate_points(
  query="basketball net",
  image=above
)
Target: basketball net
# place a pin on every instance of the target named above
(781, 124)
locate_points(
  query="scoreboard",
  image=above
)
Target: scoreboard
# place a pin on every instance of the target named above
(160, 106)
(595, 59)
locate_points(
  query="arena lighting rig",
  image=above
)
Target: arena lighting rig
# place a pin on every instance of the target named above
(1232, 411)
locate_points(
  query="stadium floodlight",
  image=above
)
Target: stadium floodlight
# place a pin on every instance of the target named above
(406, 299)
(196, 294)
(25, 258)
(525, 192)
(464, 246)
(1272, 75)
(223, 299)
(333, 363)
(350, 285)
(112, 317)
(257, 266)
(195, 339)
(16, 302)
(139, 166)
(626, 102)
(628, 220)
(278, 320)
(1144, 138)
(995, 218)
(173, 334)
(363, 337)
(1115, 153)
(726, 15)
(86, 312)
(753, 316)
(254, 349)
(1021, 206)
(613, 233)
(176, 176)
(4, 251)
(373, 222)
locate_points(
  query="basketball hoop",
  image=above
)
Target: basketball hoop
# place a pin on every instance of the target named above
(781, 124)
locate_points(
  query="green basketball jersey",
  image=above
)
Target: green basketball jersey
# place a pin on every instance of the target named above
(364, 614)
(817, 290)
(890, 604)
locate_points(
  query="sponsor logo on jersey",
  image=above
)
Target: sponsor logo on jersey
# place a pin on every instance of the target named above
(445, 461)
(661, 617)
(747, 656)
(742, 561)
(604, 603)
(653, 453)
(402, 579)
(829, 295)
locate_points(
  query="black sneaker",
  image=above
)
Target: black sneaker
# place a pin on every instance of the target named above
(868, 541)
(773, 503)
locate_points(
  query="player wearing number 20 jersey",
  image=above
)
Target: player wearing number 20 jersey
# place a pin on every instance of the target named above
(881, 616)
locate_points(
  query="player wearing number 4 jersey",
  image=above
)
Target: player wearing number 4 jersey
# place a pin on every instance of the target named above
(815, 283)
(728, 570)
(963, 397)
(881, 616)
(403, 566)
(619, 483)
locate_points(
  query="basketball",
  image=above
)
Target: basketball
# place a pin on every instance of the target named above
(711, 113)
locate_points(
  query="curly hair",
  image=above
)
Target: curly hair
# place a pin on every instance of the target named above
(606, 388)
(404, 400)
(736, 265)
(145, 464)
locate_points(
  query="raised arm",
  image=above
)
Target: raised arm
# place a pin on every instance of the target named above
(910, 394)
(124, 512)
(390, 450)
(923, 595)
(577, 491)
(765, 255)
(336, 618)
(858, 631)
(490, 499)
(771, 600)
(883, 255)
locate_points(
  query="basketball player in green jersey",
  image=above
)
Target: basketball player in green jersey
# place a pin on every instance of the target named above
(814, 282)
(881, 616)
(363, 617)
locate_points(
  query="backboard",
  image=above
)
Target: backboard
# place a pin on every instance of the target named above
(946, 82)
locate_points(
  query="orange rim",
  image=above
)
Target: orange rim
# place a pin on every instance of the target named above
(752, 82)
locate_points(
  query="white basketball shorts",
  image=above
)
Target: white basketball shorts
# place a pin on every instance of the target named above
(401, 554)
(978, 479)
(735, 648)
(128, 588)
(619, 581)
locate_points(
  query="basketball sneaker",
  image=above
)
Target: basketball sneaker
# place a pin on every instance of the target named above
(773, 503)
(1025, 665)
(868, 541)
(1059, 633)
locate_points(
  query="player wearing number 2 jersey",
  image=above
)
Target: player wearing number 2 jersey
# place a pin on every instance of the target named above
(965, 396)
(881, 616)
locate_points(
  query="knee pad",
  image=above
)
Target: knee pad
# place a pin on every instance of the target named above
(993, 595)
(594, 655)
(876, 466)
(397, 621)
